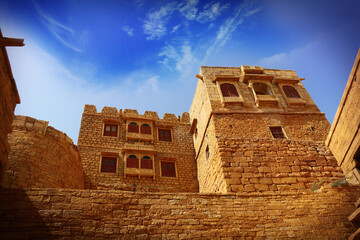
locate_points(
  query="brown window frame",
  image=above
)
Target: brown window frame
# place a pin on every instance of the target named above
(132, 162)
(111, 132)
(146, 162)
(108, 168)
(133, 127)
(277, 132)
(168, 173)
(290, 91)
(164, 138)
(145, 129)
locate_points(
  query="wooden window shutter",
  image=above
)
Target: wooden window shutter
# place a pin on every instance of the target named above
(133, 127)
(132, 162)
(108, 164)
(290, 92)
(145, 129)
(168, 169)
(146, 163)
(277, 132)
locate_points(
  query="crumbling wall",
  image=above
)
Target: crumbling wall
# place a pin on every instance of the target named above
(109, 214)
(42, 156)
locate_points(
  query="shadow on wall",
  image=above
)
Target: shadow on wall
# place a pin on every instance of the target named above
(20, 218)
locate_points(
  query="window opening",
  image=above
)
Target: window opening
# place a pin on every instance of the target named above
(165, 135)
(132, 162)
(261, 89)
(228, 90)
(133, 127)
(145, 129)
(168, 169)
(108, 164)
(146, 163)
(290, 92)
(357, 158)
(277, 132)
(207, 152)
(110, 130)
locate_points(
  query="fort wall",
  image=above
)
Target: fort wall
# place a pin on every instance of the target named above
(344, 136)
(9, 97)
(94, 145)
(42, 156)
(108, 214)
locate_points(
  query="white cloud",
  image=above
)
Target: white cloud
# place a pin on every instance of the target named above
(230, 25)
(189, 9)
(210, 12)
(155, 23)
(128, 30)
(64, 34)
(175, 28)
(149, 85)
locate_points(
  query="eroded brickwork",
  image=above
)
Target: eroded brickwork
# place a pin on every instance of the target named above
(42, 156)
(109, 214)
(235, 148)
(93, 145)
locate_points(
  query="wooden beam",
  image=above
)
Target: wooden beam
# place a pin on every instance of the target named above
(7, 42)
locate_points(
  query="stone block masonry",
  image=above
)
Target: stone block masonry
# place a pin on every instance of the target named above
(9, 97)
(42, 156)
(178, 149)
(110, 214)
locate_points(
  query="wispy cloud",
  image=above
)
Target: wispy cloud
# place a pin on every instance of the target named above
(225, 31)
(149, 85)
(189, 9)
(64, 34)
(211, 11)
(128, 30)
(175, 28)
(155, 22)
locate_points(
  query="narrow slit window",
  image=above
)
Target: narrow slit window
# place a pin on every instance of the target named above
(290, 92)
(110, 130)
(108, 164)
(207, 152)
(168, 169)
(146, 163)
(277, 132)
(145, 129)
(228, 90)
(132, 162)
(133, 127)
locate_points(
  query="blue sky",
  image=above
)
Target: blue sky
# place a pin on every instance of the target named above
(144, 54)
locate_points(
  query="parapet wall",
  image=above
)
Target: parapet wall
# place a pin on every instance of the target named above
(100, 214)
(42, 156)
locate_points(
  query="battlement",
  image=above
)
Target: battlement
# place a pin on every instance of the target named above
(38, 126)
(133, 114)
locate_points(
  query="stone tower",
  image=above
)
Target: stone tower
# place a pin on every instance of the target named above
(258, 129)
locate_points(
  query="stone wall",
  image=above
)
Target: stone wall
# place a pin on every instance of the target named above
(42, 156)
(344, 136)
(9, 97)
(109, 214)
(93, 145)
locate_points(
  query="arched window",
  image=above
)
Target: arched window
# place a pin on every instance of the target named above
(132, 162)
(146, 163)
(133, 127)
(290, 92)
(228, 90)
(145, 129)
(261, 89)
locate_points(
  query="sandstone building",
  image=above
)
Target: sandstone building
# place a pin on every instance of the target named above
(249, 161)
